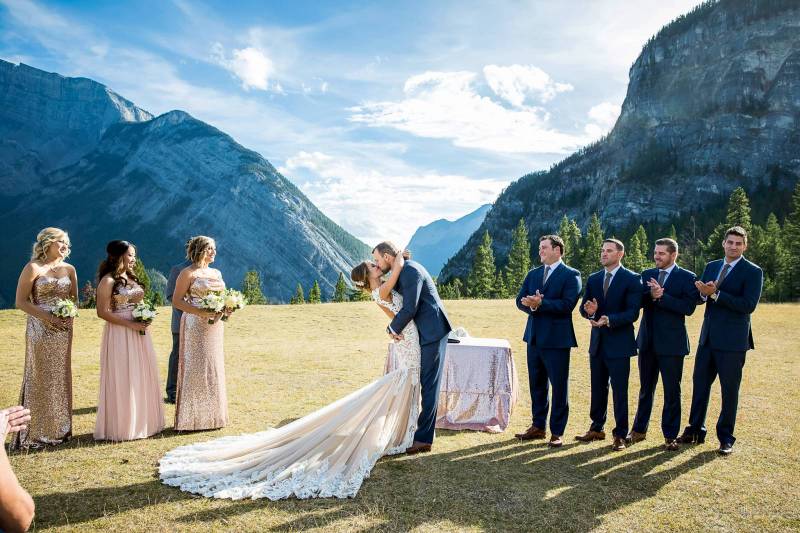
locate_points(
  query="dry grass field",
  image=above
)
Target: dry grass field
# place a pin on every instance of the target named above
(284, 361)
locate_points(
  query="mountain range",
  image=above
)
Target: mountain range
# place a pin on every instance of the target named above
(713, 103)
(76, 155)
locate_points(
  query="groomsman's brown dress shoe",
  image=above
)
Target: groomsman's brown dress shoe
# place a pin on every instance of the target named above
(555, 441)
(671, 445)
(635, 436)
(619, 444)
(690, 437)
(418, 447)
(532, 433)
(591, 435)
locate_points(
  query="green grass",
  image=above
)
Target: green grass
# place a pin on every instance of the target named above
(284, 361)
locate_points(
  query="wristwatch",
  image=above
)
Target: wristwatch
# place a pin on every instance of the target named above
(714, 296)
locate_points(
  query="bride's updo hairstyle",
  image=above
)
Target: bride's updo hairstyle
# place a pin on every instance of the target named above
(44, 239)
(360, 276)
(196, 247)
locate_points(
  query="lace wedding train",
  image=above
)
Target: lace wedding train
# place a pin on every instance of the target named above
(327, 453)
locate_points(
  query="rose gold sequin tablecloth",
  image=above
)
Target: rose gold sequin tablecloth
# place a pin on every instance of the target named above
(479, 385)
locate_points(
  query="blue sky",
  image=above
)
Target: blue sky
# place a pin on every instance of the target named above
(388, 115)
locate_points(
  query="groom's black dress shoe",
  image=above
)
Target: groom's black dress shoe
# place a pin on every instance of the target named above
(725, 449)
(418, 447)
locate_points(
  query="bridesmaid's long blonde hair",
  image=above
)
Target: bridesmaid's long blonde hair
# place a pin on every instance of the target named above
(44, 239)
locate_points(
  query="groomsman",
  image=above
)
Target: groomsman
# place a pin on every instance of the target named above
(611, 304)
(548, 295)
(172, 370)
(730, 288)
(669, 296)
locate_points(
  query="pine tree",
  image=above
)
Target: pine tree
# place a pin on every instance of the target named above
(519, 258)
(500, 288)
(766, 250)
(481, 278)
(88, 296)
(672, 234)
(458, 288)
(738, 214)
(570, 233)
(299, 297)
(637, 251)
(315, 295)
(340, 292)
(590, 249)
(357, 295)
(790, 268)
(251, 288)
(140, 272)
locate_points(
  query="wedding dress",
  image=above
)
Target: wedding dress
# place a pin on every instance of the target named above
(327, 453)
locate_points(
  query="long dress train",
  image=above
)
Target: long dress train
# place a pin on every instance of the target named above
(327, 453)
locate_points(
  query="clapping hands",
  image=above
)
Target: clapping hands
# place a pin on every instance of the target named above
(532, 301)
(656, 290)
(590, 306)
(706, 289)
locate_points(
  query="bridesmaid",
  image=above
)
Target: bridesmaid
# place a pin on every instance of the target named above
(47, 381)
(201, 401)
(130, 399)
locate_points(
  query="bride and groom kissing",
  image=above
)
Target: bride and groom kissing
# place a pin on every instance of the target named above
(329, 453)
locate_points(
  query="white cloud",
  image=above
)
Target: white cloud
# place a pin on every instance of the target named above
(602, 118)
(518, 83)
(376, 204)
(251, 65)
(447, 105)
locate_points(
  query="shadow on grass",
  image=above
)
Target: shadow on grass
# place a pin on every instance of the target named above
(84, 411)
(87, 440)
(505, 485)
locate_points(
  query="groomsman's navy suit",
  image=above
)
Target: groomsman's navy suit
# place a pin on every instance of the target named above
(725, 337)
(550, 336)
(612, 346)
(421, 304)
(663, 343)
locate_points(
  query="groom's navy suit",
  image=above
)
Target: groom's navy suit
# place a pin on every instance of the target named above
(724, 340)
(550, 336)
(663, 343)
(612, 346)
(421, 304)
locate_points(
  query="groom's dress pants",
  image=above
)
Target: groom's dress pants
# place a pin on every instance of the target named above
(549, 366)
(430, 374)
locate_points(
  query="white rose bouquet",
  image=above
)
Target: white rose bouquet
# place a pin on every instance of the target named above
(144, 312)
(65, 308)
(234, 300)
(213, 301)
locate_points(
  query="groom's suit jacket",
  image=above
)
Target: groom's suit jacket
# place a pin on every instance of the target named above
(421, 304)
(550, 326)
(662, 329)
(726, 323)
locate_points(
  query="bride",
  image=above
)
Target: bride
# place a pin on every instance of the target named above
(327, 453)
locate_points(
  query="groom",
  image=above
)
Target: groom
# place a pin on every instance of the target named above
(421, 304)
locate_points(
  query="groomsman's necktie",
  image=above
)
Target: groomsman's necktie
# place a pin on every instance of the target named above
(662, 275)
(724, 273)
(606, 283)
(546, 273)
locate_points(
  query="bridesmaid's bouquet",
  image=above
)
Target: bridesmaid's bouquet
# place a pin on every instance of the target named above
(213, 301)
(144, 312)
(234, 300)
(65, 308)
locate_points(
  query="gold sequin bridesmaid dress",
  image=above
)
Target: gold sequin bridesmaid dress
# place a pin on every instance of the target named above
(130, 393)
(201, 401)
(47, 381)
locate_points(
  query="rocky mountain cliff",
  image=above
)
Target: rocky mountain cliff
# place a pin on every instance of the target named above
(78, 156)
(433, 244)
(713, 103)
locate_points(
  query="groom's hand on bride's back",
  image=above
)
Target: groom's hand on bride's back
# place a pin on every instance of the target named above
(406, 254)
